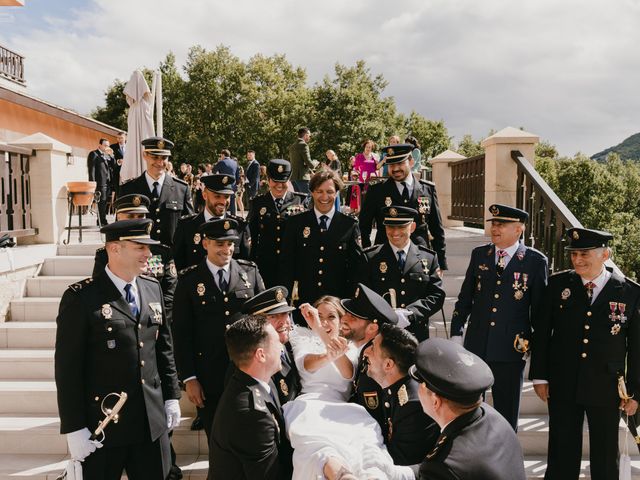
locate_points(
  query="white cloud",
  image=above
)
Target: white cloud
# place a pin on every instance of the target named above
(567, 70)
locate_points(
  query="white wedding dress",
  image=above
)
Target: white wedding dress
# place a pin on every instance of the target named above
(321, 423)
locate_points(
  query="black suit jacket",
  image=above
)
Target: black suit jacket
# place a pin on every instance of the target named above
(102, 348)
(429, 230)
(248, 440)
(580, 371)
(201, 314)
(480, 445)
(100, 166)
(118, 156)
(267, 225)
(252, 173)
(418, 287)
(187, 242)
(173, 203)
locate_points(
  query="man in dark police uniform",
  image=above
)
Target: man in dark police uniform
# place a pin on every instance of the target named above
(113, 337)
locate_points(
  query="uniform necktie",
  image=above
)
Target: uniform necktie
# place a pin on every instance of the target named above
(323, 223)
(401, 260)
(502, 263)
(131, 300)
(222, 283)
(590, 286)
(279, 202)
(154, 192)
(405, 192)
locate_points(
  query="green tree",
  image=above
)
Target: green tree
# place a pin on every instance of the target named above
(432, 135)
(114, 112)
(469, 147)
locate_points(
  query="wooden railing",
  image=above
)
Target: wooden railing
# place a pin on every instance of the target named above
(467, 190)
(549, 217)
(15, 192)
(12, 65)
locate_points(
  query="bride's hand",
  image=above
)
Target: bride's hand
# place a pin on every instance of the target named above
(310, 314)
(336, 348)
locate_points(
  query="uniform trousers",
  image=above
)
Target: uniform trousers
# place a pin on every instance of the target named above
(506, 389)
(142, 461)
(564, 452)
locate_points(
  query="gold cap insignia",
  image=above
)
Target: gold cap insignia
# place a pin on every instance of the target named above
(196, 238)
(403, 396)
(225, 180)
(383, 267)
(149, 227)
(283, 387)
(306, 232)
(575, 235)
(393, 212)
(200, 289)
(279, 297)
(280, 170)
(160, 144)
(494, 210)
(136, 201)
(390, 151)
(227, 225)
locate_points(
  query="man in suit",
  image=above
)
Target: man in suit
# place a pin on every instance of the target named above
(321, 247)
(252, 174)
(500, 295)
(273, 304)
(229, 166)
(248, 439)
(585, 352)
(209, 297)
(301, 163)
(170, 197)
(118, 154)
(409, 433)
(112, 336)
(401, 188)
(187, 241)
(267, 219)
(406, 271)
(100, 166)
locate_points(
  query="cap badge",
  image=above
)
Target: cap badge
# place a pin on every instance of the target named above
(494, 210)
(575, 235)
(196, 238)
(566, 293)
(136, 201)
(200, 289)
(149, 227)
(306, 232)
(106, 311)
(227, 225)
(390, 151)
(263, 210)
(383, 267)
(403, 396)
(279, 297)
(284, 387)
(280, 170)
(393, 212)
(160, 144)
(225, 180)
(387, 201)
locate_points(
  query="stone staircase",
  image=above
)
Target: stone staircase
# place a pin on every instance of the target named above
(30, 444)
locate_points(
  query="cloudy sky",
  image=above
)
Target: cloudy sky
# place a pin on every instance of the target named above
(566, 70)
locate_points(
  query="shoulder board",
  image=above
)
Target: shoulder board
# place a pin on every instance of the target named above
(179, 180)
(130, 180)
(425, 249)
(189, 216)
(536, 252)
(100, 250)
(427, 182)
(246, 262)
(76, 287)
(300, 194)
(633, 283)
(258, 399)
(237, 218)
(372, 248)
(148, 278)
(561, 272)
(184, 271)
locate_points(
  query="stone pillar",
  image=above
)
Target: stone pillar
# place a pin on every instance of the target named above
(441, 175)
(50, 169)
(500, 170)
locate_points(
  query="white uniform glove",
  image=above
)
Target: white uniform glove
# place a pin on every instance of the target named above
(172, 409)
(457, 339)
(80, 447)
(403, 317)
(373, 458)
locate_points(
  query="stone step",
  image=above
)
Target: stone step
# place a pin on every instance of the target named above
(38, 395)
(27, 334)
(28, 364)
(535, 466)
(45, 286)
(81, 265)
(88, 248)
(35, 309)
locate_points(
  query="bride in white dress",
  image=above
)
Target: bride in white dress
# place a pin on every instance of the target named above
(329, 435)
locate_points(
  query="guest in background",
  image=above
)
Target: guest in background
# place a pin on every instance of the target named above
(416, 154)
(118, 154)
(229, 166)
(393, 140)
(366, 162)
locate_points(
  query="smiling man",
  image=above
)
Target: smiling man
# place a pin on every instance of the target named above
(209, 296)
(586, 341)
(170, 197)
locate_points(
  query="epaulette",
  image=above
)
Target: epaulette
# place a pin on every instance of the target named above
(186, 270)
(561, 272)
(179, 180)
(101, 249)
(426, 249)
(127, 181)
(632, 282)
(189, 216)
(258, 398)
(537, 252)
(242, 261)
(428, 182)
(302, 195)
(76, 287)
(237, 218)
(372, 248)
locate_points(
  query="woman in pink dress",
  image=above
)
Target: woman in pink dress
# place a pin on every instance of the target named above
(366, 162)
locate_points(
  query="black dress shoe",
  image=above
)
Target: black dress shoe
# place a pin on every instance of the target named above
(175, 473)
(197, 424)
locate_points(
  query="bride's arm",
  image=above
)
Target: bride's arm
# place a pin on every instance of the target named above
(336, 349)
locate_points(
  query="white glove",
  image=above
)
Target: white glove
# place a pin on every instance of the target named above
(172, 409)
(73, 470)
(457, 339)
(403, 317)
(374, 458)
(80, 447)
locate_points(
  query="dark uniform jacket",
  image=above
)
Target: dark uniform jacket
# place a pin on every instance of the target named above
(367, 392)
(201, 314)
(300, 159)
(266, 224)
(187, 241)
(410, 433)
(498, 311)
(102, 348)
(418, 287)
(429, 230)
(480, 445)
(248, 439)
(323, 263)
(579, 349)
(287, 380)
(118, 156)
(173, 203)
(252, 173)
(160, 266)
(99, 165)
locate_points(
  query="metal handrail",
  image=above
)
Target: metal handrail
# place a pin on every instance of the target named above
(12, 65)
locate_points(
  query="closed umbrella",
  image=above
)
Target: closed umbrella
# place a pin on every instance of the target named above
(139, 123)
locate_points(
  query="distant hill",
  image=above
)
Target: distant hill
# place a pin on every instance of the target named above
(629, 149)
